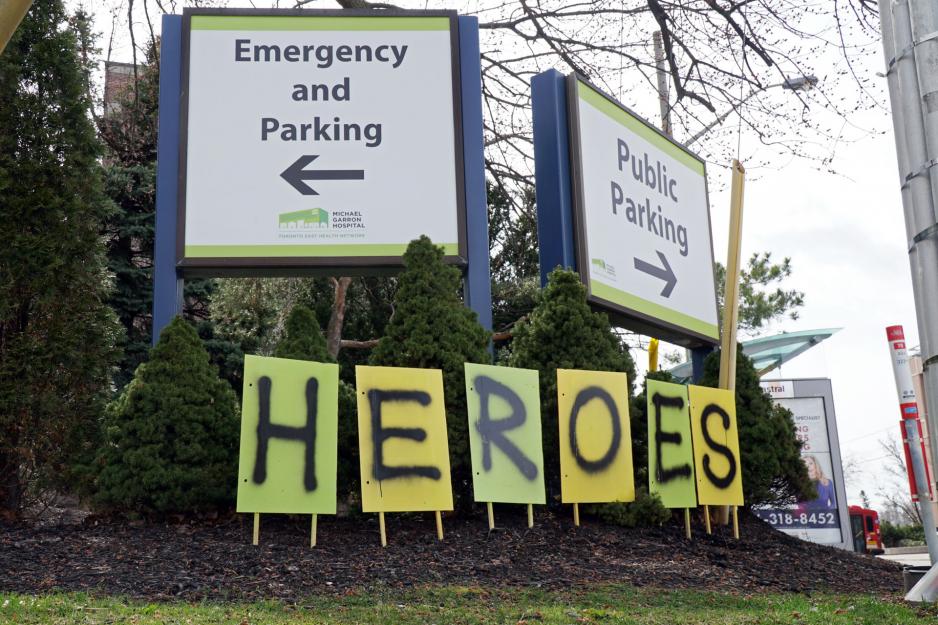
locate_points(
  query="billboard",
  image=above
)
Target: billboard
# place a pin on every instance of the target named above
(824, 519)
(641, 219)
(323, 139)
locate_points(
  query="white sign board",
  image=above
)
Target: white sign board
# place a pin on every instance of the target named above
(312, 138)
(642, 219)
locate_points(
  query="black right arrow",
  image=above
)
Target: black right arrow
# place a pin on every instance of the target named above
(665, 273)
(296, 173)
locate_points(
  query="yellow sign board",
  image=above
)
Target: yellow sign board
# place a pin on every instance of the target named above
(402, 440)
(716, 446)
(595, 439)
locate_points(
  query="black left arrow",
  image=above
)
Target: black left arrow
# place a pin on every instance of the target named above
(296, 173)
(662, 273)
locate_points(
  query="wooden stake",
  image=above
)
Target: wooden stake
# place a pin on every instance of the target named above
(312, 533)
(491, 512)
(731, 299)
(384, 536)
(707, 518)
(439, 525)
(576, 514)
(257, 528)
(687, 522)
(530, 515)
(736, 522)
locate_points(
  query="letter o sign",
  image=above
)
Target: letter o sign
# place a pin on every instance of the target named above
(585, 396)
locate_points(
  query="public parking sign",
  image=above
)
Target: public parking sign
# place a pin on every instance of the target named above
(641, 219)
(329, 139)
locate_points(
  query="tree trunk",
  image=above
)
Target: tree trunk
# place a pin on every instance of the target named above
(11, 491)
(334, 332)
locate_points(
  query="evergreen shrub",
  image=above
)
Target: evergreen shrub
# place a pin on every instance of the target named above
(563, 332)
(431, 328)
(171, 437)
(303, 340)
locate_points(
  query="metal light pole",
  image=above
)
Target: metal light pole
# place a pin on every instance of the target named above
(915, 173)
(924, 23)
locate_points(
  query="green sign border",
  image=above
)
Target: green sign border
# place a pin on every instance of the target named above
(314, 22)
(652, 309)
(600, 102)
(311, 251)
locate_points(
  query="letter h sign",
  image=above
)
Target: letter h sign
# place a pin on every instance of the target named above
(289, 437)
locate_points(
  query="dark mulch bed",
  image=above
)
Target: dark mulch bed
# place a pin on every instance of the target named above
(216, 561)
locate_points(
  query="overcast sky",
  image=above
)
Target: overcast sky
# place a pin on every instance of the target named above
(845, 234)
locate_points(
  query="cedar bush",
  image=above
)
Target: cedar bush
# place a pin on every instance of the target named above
(302, 337)
(303, 340)
(432, 329)
(646, 510)
(772, 469)
(563, 332)
(171, 438)
(57, 335)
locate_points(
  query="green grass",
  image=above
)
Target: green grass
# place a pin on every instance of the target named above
(455, 605)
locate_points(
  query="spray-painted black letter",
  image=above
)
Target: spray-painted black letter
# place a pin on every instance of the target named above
(380, 434)
(494, 431)
(584, 397)
(662, 475)
(725, 481)
(305, 434)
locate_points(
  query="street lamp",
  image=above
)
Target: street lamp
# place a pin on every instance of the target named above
(798, 83)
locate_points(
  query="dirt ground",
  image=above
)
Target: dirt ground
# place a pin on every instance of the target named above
(201, 560)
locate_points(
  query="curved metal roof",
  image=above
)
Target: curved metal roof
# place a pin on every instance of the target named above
(770, 352)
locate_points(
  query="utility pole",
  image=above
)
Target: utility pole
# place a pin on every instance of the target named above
(664, 103)
(664, 100)
(916, 173)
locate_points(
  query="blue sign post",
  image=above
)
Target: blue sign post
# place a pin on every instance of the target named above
(552, 178)
(168, 274)
(167, 279)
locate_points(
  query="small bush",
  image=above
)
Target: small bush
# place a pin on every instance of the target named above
(431, 328)
(770, 453)
(562, 332)
(303, 340)
(901, 535)
(171, 438)
(645, 510)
